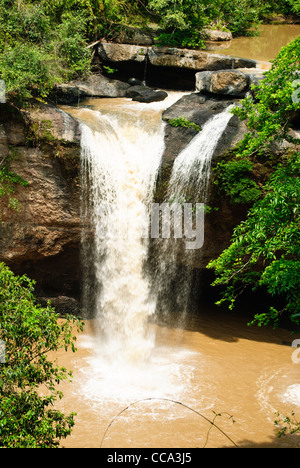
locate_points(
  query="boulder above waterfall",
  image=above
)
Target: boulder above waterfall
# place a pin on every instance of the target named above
(93, 86)
(199, 109)
(170, 57)
(113, 52)
(227, 82)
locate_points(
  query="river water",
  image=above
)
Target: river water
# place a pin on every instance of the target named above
(263, 47)
(215, 365)
(213, 368)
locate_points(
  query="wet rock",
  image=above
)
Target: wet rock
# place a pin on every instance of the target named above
(141, 93)
(135, 82)
(137, 90)
(150, 96)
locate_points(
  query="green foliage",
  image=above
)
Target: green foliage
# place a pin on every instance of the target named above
(28, 71)
(239, 16)
(286, 7)
(234, 178)
(8, 182)
(110, 70)
(36, 52)
(269, 119)
(191, 39)
(28, 418)
(185, 20)
(184, 122)
(70, 45)
(287, 424)
(180, 15)
(43, 43)
(265, 249)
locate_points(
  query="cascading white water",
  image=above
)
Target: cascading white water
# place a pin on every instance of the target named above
(191, 169)
(121, 155)
(193, 366)
(122, 146)
(122, 171)
(188, 184)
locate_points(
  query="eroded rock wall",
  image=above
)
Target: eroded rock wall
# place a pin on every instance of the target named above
(42, 239)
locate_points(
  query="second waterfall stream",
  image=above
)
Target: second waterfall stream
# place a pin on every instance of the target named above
(122, 148)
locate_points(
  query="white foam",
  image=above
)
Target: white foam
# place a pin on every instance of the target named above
(292, 394)
(168, 373)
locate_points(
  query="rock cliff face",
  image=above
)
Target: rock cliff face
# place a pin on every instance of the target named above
(199, 108)
(43, 238)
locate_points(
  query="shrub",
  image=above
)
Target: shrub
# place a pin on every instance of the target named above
(28, 418)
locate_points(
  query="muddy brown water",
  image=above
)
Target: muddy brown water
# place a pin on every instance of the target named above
(263, 47)
(215, 365)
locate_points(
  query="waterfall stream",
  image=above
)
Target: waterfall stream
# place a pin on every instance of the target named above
(188, 186)
(122, 148)
(122, 168)
(191, 168)
(121, 155)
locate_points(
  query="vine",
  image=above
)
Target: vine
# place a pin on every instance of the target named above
(212, 423)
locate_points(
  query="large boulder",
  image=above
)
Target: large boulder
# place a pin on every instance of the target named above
(223, 82)
(147, 95)
(165, 67)
(93, 86)
(217, 35)
(219, 224)
(199, 109)
(112, 52)
(194, 59)
(151, 96)
(142, 93)
(170, 57)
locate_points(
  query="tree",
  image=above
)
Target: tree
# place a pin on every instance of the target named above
(265, 248)
(36, 52)
(28, 381)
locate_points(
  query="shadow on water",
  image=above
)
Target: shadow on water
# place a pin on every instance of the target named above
(220, 323)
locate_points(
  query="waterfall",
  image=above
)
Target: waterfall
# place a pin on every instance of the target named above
(188, 185)
(122, 148)
(122, 145)
(191, 170)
